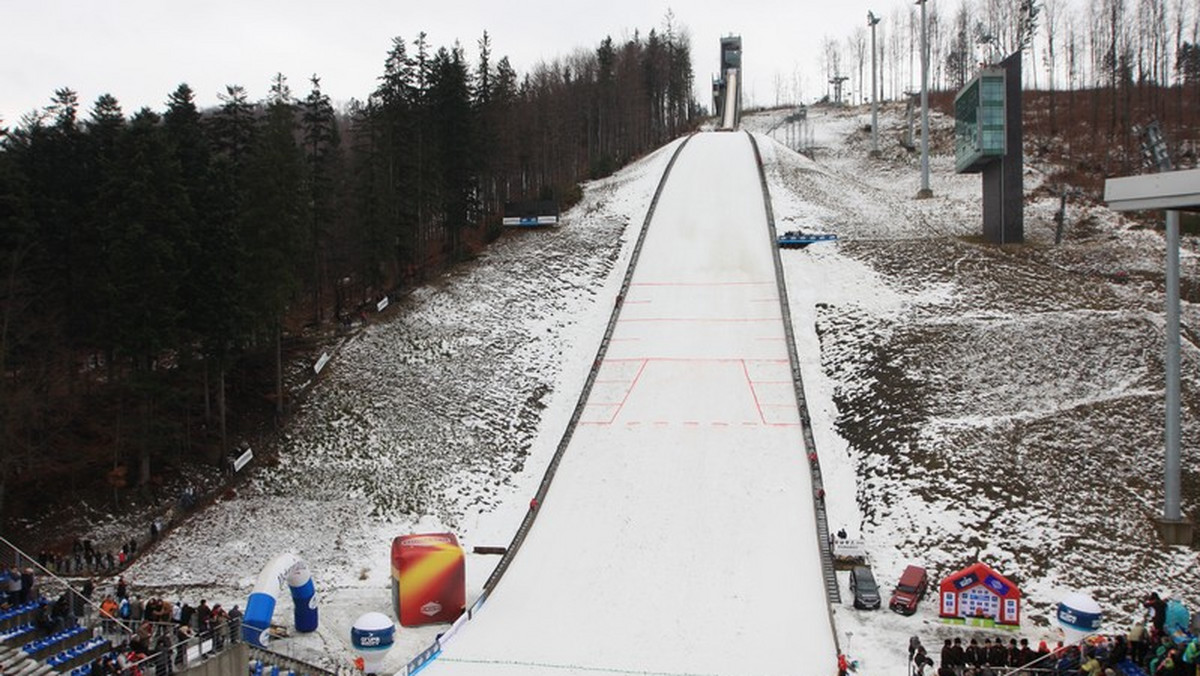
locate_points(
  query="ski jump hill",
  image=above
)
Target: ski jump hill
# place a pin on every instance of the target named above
(678, 535)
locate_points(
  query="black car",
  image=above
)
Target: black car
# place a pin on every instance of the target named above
(862, 585)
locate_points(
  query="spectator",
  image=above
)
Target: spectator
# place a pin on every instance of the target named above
(162, 659)
(998, 657)
(920, 661)
(183, 634)
(914, 644)
(12, 586)
(203, 615)
(235, 624)
(1025, 654)
(1191, 655)
(1012, 654)
(186, 613)
(1158, 614)
(28, 586)
(217, 621)
(958, 656)
(1091, 666)
(108, 613)
(971, 654)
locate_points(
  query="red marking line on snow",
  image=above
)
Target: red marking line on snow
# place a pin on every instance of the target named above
(753, 393)
(694, 320)
(702, 284)
(696, 360)
(632, 384)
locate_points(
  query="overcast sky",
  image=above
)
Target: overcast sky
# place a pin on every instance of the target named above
(141, 50)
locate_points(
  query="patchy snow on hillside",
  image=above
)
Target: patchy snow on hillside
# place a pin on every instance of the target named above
(442, 418)
(983, 403)
(969, 402)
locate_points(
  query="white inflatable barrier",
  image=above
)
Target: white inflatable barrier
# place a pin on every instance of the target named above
(283, 569)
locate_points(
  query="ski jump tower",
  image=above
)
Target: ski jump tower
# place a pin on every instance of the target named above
(727, 87)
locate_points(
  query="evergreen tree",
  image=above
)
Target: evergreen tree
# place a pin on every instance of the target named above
(147, 267)
(321, 147)
(18, 315)
(275, 226)
(225, 317)
(454, 129)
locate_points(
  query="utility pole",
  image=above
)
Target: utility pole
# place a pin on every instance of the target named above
(837, 81)
(871, 21)
(924, 192)
(1154, 146)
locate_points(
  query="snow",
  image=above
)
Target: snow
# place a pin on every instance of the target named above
(968, 402)
(686, 487)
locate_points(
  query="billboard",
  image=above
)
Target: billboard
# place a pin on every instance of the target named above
(429, 582)
(979, 118)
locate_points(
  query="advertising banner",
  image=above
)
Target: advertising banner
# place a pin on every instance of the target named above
(429, 579)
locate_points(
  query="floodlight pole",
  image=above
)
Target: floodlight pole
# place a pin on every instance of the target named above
(924, 191)
(871, 21)
(1171, 503)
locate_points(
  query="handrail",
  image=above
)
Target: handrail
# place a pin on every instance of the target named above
(182, 651)
(810, 445)
(278, 658)
(434, 649)
(66, 584)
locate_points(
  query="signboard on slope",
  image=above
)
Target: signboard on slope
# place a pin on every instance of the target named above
(429, 583)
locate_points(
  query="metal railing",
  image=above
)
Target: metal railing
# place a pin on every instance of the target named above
(167, 653)
(833, 594)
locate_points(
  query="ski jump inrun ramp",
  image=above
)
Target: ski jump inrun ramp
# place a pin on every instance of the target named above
(678, 534)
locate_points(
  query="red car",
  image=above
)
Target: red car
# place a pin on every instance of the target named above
(909, 590)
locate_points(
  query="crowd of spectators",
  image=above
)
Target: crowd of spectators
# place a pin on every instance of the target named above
(154, 632)
(1162, 641)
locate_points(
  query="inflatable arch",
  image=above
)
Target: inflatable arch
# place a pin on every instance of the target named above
(289, 569)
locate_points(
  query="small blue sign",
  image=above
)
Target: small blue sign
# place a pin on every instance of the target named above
(372, 639)
(1079, 620)
(996, 585)
(965, 581)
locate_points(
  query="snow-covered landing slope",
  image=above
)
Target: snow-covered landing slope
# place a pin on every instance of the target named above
(678, 536)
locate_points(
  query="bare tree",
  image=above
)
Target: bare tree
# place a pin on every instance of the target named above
(1052, 10)
(960, 56)
(858, 49)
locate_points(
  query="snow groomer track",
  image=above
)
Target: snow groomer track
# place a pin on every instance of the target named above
(679, 534)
